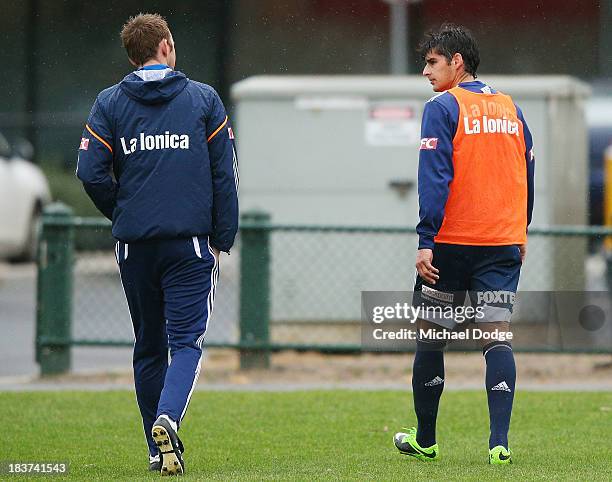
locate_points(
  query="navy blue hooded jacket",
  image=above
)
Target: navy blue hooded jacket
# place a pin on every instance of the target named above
(157, 157)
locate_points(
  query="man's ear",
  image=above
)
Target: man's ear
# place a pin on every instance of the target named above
(457, 60)
(132, 62)
(165, 46)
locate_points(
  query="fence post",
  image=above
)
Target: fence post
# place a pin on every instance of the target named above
(255, 290)
(54, 290)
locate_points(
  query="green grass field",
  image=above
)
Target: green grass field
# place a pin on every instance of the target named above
(311, 436)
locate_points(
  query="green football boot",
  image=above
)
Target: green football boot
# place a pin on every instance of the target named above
(499, 455)
(407, 444)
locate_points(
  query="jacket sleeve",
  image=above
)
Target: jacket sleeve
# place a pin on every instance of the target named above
(95, 161)
(435, 171)
(224, 169)
(530, 160)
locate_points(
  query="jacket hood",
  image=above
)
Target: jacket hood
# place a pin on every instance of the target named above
(154, 87)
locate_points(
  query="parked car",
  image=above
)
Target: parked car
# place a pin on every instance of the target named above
(23, 193)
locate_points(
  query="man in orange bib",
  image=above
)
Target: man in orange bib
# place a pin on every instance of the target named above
(475, 202)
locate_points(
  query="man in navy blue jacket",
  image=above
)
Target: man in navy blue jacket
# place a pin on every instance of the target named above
(157, 158)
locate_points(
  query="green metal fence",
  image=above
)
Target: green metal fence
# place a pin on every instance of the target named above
(283, 287)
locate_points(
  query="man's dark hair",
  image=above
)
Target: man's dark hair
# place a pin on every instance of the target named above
(141, 36)
(450, 39)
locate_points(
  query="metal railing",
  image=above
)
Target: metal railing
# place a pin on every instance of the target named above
(283, 287)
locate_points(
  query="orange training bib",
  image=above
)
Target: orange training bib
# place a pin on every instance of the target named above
(487, 202)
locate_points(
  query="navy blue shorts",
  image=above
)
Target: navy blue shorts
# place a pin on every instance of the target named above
(489, 274)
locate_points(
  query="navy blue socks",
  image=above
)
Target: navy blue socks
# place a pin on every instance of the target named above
(427, 386)
(500, 381)
(428, 383)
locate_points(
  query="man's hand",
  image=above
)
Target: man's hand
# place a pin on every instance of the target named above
(424, 267)
(523, 251)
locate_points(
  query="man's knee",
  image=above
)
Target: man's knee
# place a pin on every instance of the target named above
(190, 348)
(436, 342)
(493, 331)
(150, 349)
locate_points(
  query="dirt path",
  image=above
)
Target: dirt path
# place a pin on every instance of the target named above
(291, 371)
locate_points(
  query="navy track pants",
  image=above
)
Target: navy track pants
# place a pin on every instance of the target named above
(170, 290)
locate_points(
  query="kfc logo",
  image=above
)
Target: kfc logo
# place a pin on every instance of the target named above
(429, 143)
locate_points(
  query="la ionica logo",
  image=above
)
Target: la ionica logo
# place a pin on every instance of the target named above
(491, 126)
(155, 142)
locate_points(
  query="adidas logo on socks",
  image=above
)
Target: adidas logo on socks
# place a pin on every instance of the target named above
(502, 386)
(434, 382)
